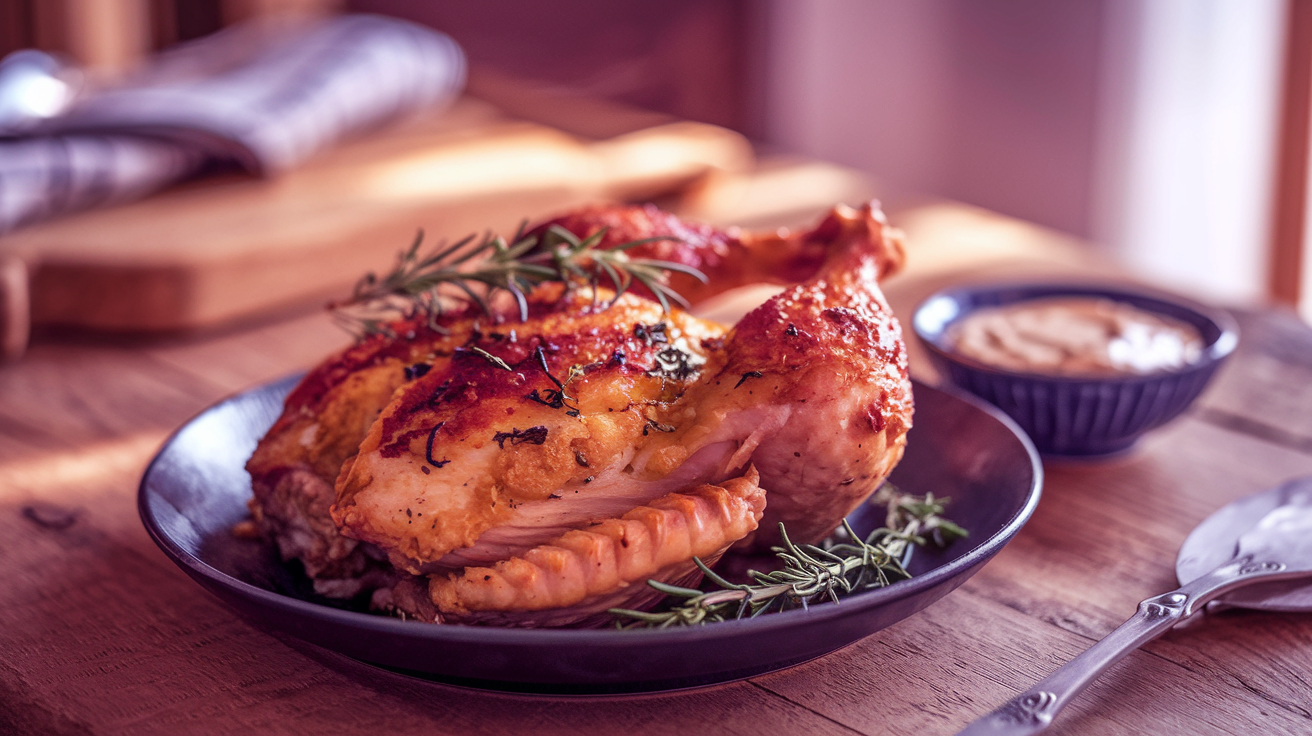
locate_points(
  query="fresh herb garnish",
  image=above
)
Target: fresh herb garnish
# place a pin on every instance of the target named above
(556, 398)
(479, 269)
(489, 357)
(810, 574)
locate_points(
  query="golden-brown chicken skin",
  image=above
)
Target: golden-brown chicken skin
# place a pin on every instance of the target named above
(578, 576)
(484, 445)
(510, 440)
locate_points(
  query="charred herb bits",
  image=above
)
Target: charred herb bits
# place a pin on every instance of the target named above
(531, 436)
(675, 363)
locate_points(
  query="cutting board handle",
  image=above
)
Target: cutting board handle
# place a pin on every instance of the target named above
(15, 308)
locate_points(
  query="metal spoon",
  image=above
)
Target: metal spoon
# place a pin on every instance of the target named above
(1253, 551)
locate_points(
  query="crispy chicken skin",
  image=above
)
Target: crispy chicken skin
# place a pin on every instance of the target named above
(579, 575)
(476, 460)
(499, 443)
(294, 468)
(814, 388)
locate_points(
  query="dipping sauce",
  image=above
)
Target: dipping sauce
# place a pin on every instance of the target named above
(1076, 336)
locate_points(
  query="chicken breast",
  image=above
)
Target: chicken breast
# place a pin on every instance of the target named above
(486, 443)
(505, 443)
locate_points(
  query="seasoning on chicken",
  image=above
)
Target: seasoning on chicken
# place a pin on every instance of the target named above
(478, 443)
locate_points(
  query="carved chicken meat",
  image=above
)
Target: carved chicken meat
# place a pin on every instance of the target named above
(537, 472)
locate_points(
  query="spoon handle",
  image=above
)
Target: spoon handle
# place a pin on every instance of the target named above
(1033, 710)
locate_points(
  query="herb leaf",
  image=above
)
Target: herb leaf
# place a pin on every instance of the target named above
(809, 574)
(413, 286)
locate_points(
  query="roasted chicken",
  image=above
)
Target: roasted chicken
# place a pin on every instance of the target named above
(538, 472)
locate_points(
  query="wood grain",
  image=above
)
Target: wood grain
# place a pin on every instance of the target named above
(225, 248)
(15, 308)
(103, 635)
(1263, 390)
(1103, 538)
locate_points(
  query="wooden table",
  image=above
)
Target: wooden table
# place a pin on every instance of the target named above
(102, 634)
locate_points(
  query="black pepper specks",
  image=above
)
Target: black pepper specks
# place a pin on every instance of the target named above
(418, 370)
(651, 333)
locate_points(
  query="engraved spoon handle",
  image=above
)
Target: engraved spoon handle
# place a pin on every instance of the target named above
(1033, 710)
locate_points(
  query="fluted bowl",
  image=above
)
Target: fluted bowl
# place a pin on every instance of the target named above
(1077, 416)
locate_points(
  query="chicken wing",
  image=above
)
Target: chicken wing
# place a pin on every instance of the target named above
(575, 578)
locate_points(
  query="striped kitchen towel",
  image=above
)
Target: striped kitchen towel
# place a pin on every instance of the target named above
(260, 97)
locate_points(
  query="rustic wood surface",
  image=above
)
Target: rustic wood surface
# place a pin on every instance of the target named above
(103, 635)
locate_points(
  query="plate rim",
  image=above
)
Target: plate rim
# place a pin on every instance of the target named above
(504, 636)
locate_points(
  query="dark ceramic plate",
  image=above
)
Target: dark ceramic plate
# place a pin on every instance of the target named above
(196, 490)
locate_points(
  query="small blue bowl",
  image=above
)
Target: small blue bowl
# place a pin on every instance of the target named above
(1077, 416)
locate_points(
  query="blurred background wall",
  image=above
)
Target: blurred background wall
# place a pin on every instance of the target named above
(1158, 129)
(692, 58)
(993, 103)
(1147, 126)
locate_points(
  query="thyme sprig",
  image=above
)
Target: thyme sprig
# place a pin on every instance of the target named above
(842, 565)
(477, 269)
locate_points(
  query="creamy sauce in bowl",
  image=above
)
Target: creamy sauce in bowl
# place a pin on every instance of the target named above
(1076, 336)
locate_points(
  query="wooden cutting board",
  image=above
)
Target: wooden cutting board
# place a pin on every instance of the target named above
(221, 249)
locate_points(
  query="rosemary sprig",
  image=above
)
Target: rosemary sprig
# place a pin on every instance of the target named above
(477, 269)
(843, 565)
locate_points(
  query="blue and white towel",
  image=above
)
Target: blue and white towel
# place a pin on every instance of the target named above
(255, 96)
